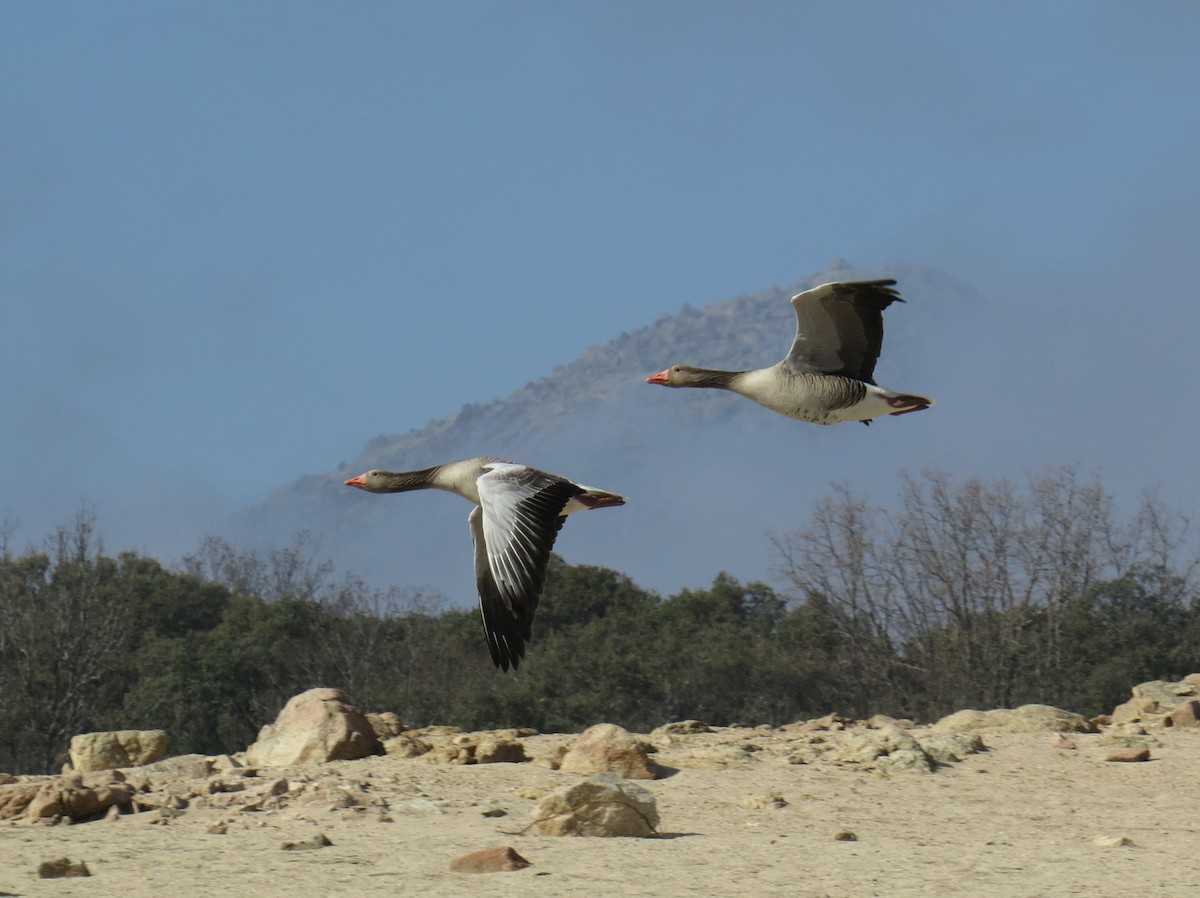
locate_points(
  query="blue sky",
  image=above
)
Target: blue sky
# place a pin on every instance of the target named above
(238, 240)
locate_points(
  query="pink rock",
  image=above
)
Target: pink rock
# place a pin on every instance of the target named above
(490, 860)
(1128, 754)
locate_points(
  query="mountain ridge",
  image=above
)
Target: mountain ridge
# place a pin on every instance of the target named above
(592, 419)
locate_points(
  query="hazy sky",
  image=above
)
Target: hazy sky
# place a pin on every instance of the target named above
(239, 239)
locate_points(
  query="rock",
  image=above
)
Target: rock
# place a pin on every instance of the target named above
(498, 749)
(679, 728)
(1128, 754)
(828, 723)
(1058, 740)
(607, 748)
(217, 785)
(277, 787)
(1112, 841)
(76, 799)
(187, 766)
(886, 748)
(1025, 719)
(320, 840)
(950, 748)
(62, 867)
(603, 805)
(845, 835)
(721, 757)
(449, 746)
(765, 801)
(386, 725)
(552, 761)
(314, 727)
(406, 745)
(15, 799)
(219, 828)
(224, 764)
(879, 721)
(490, 860)
(119, 748)
(1153, 702)
(1186, 715)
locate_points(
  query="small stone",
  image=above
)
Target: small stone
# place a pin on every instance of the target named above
(1112, 841)
(490, 860)
(277, 787)
(219, 828)
(217, 784)
(764, 802)
(845, 835)
(494, 812)
(1061, 740)
(62, 867)
(1128, 754)
(320, 840)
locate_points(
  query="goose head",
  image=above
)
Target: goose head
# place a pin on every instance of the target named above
(675, 376)
(371, 481)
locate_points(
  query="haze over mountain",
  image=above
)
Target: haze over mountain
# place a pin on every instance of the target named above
(708, 474)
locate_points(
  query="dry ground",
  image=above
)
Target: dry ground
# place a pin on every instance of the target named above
(1021, 819)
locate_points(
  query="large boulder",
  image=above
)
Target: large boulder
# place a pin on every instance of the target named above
(119, 748)
(1025, 719)
(314, 727)
(1154, 703)
(607, 748)
(603, 805)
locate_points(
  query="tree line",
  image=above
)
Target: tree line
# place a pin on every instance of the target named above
(964, 594)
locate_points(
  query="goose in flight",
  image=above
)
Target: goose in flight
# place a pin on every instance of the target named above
(828, 377)
(518, 513)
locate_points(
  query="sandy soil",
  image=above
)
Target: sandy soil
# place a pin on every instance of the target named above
(1021, 819)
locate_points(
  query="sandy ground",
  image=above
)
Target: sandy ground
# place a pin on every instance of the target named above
(1021, 819)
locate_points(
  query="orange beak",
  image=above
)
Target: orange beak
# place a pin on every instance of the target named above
(360, 481)
(662, 377)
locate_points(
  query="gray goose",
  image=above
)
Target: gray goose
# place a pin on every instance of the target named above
(518, 513)
(828, 377)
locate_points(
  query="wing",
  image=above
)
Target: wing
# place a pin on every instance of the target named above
(839, 328)
(514, 528)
